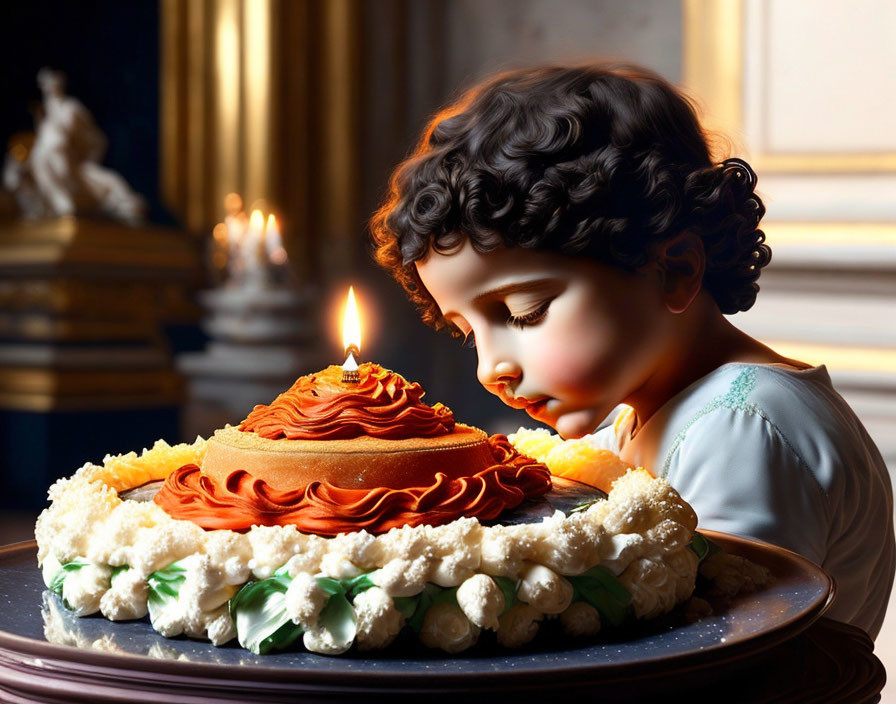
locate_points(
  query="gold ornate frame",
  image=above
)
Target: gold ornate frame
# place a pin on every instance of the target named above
(713, 73)
(713, 39)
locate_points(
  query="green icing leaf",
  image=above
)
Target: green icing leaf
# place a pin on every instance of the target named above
(356, 585)
(117, 571)
(350, 587)
(424, 601)
(338, 617)
(259, 613)
(604, 592)
(164, 585)
(445, 595)
(508, 586)
(64, 571)
(432, 594)
(58, 581)
(329, 585)
(280, 639)
(164, 588)
(585, 506)
(703, 547)
(406, 605)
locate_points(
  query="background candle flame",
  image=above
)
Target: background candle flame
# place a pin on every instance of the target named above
(256, 223)
(273, 242)
(351, 322)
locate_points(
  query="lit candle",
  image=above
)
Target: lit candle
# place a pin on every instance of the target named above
(351, 339)
(255, 232)
(220, 249)
(235, 223)
(273, 242)
(253, 267)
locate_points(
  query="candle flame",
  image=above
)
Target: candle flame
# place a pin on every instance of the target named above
(351, 322)
(256, 222)
(274, 242)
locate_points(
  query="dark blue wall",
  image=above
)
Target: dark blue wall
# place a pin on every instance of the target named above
(110, 51)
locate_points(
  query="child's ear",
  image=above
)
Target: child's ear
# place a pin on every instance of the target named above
(681, 261)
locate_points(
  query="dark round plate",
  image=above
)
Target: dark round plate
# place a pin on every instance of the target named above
(97, 660)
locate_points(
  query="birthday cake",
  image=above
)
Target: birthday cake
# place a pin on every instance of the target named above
(350, 514)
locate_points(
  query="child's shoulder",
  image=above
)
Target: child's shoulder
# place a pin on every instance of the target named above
(774, 392)
(795, 412)
(741, 405)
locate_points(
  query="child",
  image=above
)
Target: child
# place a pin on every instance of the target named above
(572, 223)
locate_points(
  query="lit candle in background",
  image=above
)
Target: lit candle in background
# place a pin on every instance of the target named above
(274, 242)
(248, 249)
(256, 228)
(351, 339)
(235, 222)
(220, 254)
(253, 264)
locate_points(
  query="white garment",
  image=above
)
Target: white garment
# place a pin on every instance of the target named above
(775, 453)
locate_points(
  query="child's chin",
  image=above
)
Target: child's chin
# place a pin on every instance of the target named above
(576, 424)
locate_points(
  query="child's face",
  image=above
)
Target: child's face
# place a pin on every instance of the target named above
(565, 339)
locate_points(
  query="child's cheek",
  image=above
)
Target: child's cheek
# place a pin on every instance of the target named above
(561, 367)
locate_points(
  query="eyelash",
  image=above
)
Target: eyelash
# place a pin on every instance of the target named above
(533, 318)
(519, 321)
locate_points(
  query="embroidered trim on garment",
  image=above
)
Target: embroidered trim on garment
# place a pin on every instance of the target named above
(735, 399)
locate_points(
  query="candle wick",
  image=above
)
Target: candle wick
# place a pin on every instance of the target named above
(350, 373)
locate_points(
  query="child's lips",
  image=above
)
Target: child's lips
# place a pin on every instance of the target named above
(534, 408)
(521, 403)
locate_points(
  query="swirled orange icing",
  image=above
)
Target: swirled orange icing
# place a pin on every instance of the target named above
(243, 501)
(321, 407)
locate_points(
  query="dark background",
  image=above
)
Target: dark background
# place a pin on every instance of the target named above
(110, 52)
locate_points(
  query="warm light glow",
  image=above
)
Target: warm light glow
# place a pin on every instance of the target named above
(839, 358)
(274, 242)
(220, 233)
(233, 204)
(826, 234)
(351, 322)
(256, 223)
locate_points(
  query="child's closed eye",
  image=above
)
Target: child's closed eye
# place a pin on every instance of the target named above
(533, 317)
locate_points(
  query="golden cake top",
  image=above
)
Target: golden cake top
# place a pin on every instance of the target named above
(319, 406)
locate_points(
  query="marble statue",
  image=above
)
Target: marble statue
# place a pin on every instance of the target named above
(61, 174)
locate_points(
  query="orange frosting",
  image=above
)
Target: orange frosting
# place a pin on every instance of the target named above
(243, 501)
(320, 407)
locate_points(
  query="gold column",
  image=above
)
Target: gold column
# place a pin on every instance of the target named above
(260, 97)
(713, 64)
(258, 86)
(338, 220)
(173, 103)
(226, 81)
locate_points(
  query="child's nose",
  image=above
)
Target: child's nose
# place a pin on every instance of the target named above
(502, 370)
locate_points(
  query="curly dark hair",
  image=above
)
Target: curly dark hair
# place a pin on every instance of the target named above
(598, 161)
